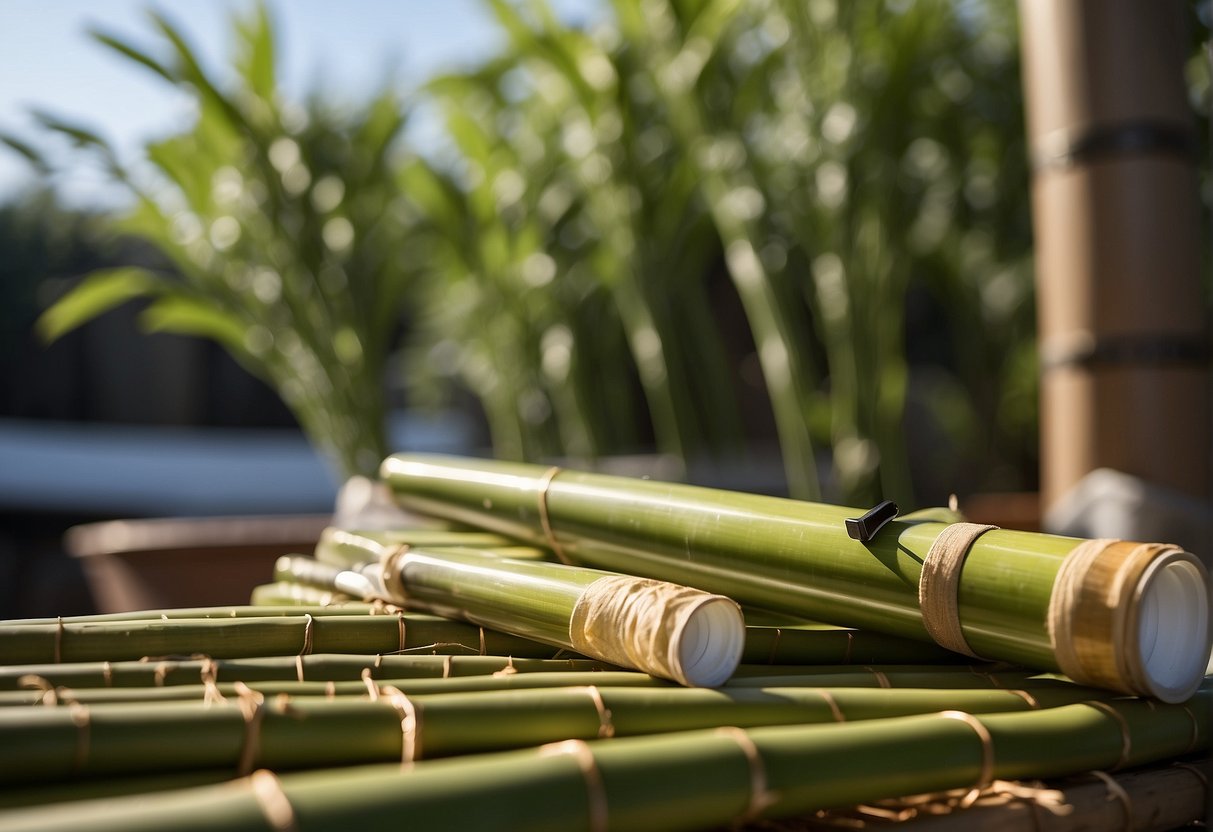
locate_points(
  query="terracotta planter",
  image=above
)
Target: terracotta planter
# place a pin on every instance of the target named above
(186, 562)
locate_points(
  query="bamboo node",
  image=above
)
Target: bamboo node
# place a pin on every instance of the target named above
(545, 518)
(596, 797)
(1126, 743)
(761, 797)
(986, 777)
(775, 645)
(272, 799)
(1117, 792)
(59, 639)
(940, 581)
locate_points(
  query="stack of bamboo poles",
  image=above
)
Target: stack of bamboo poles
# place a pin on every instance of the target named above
(467, 678)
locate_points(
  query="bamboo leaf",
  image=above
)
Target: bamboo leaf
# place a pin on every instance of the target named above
(186, 315)
(256, 52)
(122, 47)
(80, 136)
(27, 151)
(97, 293)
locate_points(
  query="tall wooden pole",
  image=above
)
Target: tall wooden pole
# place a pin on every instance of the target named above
(1124, 338)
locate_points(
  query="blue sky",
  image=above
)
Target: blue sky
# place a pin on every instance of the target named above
(48, 61)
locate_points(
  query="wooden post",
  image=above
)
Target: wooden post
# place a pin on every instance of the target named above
(1124, 337)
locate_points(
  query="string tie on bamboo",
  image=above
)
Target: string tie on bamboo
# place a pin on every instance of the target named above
(1117, 792)
(986, 775)
(391, 573)
(252, 709)
(940, 583)
(508, 670)
(829, 699)
(410, 723)
(761, 797)
(1126, 742)
(272, 799)
(32, 681)
(545, 518)
(596, 797)
(308, 634)
(606, 728)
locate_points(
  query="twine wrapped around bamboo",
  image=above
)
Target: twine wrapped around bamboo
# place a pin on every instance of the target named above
(1125, 616)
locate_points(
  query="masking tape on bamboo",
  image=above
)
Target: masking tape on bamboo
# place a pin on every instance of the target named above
(692, 637)
(1132, 617)
(940, 581)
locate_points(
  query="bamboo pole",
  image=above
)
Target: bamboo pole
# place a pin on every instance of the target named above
(687, 780)
(1032, 599)
(1124, 330)
(248, 731)
(671, 631)
(314, 667)
(344, 548)
(248, 637)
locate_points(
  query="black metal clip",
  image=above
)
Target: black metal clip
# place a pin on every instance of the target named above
(865, 528)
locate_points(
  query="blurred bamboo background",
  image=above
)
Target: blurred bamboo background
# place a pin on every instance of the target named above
(716, 230)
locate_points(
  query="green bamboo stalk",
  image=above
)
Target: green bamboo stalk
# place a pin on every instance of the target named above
(46, 794)
(248, 637)
(288, 596)
(328, 690)
(797, 643)
(691, 637)
(46, 745)
(797, 558)
(687, 780)
(315, 667)
(248, 611)
(340, 547)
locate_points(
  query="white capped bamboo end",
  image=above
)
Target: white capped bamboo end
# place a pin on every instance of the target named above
(710, 645)
(1173, 627)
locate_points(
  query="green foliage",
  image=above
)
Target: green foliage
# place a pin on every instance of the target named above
(618, 216)
(848, 163)
(283, 225)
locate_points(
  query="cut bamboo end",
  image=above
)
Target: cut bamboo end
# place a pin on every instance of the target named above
(1132, 617)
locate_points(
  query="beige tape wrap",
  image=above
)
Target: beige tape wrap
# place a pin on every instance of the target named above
(939, 585)
(692, 637)
(1132, 617)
